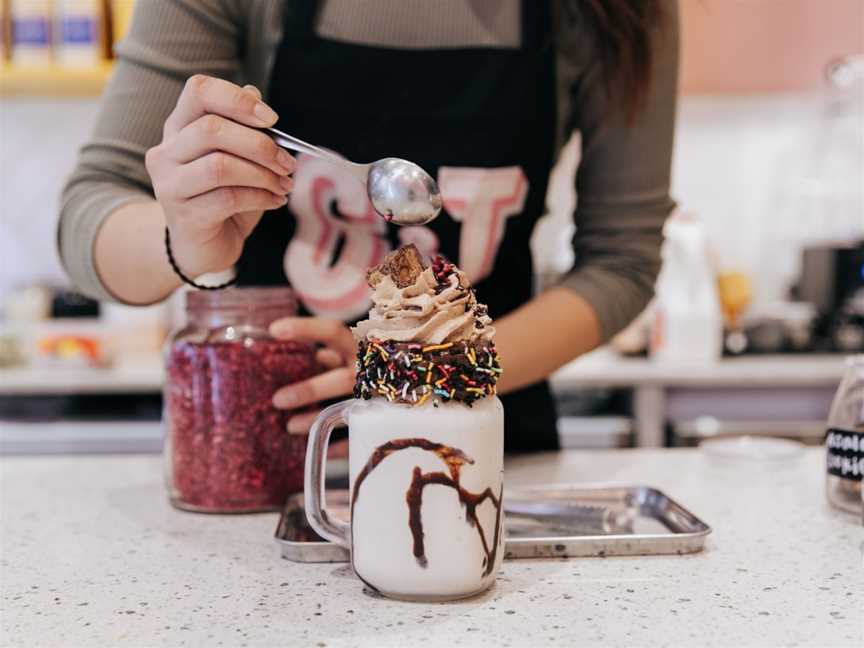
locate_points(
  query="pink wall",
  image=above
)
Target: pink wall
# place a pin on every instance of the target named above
(748, 46)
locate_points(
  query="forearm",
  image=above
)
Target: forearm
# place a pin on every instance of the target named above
(542, 335)
(110, 237)
(130, 255)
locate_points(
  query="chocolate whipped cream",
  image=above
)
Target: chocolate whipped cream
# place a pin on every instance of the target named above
(426, 336)
(411, 303)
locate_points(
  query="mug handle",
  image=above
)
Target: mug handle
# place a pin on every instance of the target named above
(314, 492)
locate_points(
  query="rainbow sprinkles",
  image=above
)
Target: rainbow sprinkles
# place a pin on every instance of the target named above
(411, 373)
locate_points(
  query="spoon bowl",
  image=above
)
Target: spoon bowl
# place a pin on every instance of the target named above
(399, 190)
(402, 192)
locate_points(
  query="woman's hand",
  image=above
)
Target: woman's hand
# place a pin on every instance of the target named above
(337, 356)
(214, 174)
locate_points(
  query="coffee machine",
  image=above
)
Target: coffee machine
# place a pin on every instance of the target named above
(832, 279)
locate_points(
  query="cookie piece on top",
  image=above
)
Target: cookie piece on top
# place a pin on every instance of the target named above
(403, 266)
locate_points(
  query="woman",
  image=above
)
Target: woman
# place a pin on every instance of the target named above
(479, 94)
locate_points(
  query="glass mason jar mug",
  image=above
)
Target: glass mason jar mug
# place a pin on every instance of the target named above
(407, 541)
(845, 440)
(227, 448)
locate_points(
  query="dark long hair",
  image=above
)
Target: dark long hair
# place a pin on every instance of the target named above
(624, 33)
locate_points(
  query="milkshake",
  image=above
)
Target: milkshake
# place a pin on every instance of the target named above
(425, 437)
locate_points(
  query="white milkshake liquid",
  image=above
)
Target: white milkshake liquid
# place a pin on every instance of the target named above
(454, 561)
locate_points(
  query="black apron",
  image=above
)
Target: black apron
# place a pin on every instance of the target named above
(476, 110)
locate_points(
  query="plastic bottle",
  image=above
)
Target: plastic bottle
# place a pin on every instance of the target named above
(78, 32)
(688, 323)
(31, 32)
(844, 440)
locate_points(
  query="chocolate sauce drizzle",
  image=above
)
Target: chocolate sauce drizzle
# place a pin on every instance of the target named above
(454, 459)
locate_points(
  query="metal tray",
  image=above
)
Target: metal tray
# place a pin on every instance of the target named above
(557, 521)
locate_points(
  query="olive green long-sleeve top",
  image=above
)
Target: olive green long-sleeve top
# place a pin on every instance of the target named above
(622, 183)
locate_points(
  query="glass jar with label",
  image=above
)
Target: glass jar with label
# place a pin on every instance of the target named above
(227, 448)
(845, 440)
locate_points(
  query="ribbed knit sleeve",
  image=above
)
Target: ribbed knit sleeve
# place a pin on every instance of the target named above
(168, 41)
(622, 186)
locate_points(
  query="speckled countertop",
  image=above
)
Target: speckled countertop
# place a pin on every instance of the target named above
(93, 555)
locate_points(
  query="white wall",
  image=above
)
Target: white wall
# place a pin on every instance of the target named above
(770, 174)
(39, 140)
(750, 166)
(767, 174)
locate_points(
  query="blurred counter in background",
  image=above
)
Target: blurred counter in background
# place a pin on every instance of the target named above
(681, 404)
(140, 374)
(653, 404)
(79, 376)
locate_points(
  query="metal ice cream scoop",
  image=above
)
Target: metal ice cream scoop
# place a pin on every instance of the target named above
(399, 190)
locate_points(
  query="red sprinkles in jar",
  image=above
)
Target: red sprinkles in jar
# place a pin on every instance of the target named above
(230, 447)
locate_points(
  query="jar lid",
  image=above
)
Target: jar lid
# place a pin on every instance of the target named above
(254, 297)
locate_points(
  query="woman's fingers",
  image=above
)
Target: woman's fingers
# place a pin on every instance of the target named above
(203, 95)
(247, 221)
(338, 449)
(301, 422)
(213, 175)
(330, 384)
(212, 133)
(218, 205)
(219, 169)
(329, 358)
(331, 333)
(340, 348)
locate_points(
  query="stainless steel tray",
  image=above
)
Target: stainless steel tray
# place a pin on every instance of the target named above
(558, 521)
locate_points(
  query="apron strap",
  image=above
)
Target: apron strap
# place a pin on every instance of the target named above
(300, 18)
(536, 23)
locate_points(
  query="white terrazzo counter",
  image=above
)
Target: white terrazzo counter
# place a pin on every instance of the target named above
(93, 555)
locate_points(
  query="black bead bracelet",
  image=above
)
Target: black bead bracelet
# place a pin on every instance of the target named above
(186, 279)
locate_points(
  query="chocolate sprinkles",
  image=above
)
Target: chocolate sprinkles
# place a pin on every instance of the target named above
(412, 373)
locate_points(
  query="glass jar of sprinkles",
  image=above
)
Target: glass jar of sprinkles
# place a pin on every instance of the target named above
(844, 440)
(227, 449)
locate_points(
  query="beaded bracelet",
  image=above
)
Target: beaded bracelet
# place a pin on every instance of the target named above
(186, 279)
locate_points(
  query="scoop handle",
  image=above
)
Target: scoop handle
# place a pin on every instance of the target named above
(360, 171)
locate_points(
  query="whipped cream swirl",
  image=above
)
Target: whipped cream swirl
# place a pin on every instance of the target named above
(426, 312)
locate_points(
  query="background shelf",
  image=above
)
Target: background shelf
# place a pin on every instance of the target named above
(56, 81)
